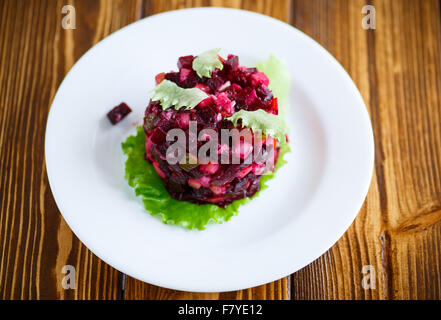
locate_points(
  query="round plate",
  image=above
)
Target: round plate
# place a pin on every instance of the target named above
(307, 207)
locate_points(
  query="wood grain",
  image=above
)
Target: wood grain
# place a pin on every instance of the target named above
(410, 103)
(337, 274)
(35, 54)
(397, 68)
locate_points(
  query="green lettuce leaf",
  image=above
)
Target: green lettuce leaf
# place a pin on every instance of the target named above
(170, 94)
(280, 81)
(206, 62)
(157, 201)
(262, 121)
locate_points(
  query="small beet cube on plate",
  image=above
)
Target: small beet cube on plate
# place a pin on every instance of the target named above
(118, 113)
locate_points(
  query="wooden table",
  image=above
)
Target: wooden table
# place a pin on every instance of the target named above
(397, 68)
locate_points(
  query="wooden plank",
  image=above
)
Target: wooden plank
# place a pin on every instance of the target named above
(397, 69)
(279, 9)
(336, 25)
(277, 290)
(138, 290)
(35, 54)
(408, 66)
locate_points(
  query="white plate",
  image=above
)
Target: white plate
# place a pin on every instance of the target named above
(306, 209)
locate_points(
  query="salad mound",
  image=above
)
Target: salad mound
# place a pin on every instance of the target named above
(229, 89)
(143, 178)
(209, 93)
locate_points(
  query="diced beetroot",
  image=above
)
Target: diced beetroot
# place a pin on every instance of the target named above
(224, 86)
(185, 62)
(206, 102)
(190, 80)
(259, 77)
(159, 171)
(223, 102)
(239, 77)
(118, 113)
(168, 114)
(250, 71)
(245, 171)
(218, 189)
(194, 183)
(158, 136)
(236, 87)
(251, 98)
(216, 199)
(148, 149)
(173, 77)
(148, 145)
(264, 93)
(205, 181)
(159, 77)
(207, 115)
(226, 175)
(209, 168)
(232, 62)
(216, 80)
(183, 120)
(184, 74)
(274, 108)
(258, 169)
(204, 88)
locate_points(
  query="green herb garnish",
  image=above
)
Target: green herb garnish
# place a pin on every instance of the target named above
(170, 94)
(261, 121)
(206, 62)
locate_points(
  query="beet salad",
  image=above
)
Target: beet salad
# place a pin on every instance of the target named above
(209, 104)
